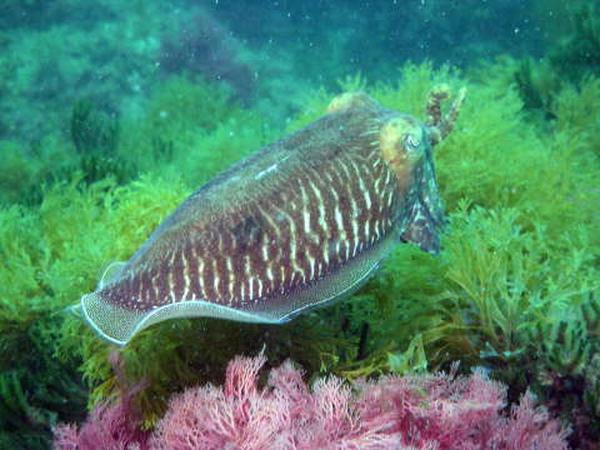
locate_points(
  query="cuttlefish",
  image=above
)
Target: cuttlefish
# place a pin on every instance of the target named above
(299, 224)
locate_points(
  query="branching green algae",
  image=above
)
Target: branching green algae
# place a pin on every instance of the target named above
(516, 284)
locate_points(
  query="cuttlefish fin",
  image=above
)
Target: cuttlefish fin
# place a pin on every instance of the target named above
(111, 273)
(118, 325)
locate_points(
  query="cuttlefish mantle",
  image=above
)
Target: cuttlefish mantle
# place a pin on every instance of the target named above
(299, 224)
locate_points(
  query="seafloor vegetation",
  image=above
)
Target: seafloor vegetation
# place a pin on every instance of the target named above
(514, 292)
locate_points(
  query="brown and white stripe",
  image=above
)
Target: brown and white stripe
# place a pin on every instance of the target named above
(268, 228)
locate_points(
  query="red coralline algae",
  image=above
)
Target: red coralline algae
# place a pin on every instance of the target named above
(437, 411)
(109, 427)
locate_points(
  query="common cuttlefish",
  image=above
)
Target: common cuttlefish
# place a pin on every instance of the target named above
(299, 224)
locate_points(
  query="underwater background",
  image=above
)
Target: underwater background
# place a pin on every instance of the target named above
(111, 113)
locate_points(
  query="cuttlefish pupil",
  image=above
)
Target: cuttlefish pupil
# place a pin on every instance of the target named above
(299, 224)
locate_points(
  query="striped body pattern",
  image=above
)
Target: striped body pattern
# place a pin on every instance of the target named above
(315, 219)
(300, 223)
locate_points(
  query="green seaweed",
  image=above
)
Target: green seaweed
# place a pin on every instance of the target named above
(53, 253)
(515, 289)
(537, 84)
(37, 391)
(578, 55)
(577, 112)
(92, 130)
(175, 355)
(520, 243)
(181, 106)
(568, 366)
(26, 168)
(191, 128)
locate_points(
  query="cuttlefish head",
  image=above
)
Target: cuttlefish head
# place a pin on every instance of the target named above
(406, 145)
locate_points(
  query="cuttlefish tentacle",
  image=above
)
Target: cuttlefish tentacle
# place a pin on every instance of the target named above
(438, 125)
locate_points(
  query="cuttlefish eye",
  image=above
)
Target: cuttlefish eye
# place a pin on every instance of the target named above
(401, 141)
(411, 142)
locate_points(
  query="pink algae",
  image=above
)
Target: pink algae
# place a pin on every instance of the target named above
(436, 411)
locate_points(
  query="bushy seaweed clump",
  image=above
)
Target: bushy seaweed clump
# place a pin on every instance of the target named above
(190, 128)
(578, 54)
(519, 274)
(51, 254)
(62, 222)
(515, 287)
(562, 85)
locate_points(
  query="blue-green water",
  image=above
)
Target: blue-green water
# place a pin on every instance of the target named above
(112, 113)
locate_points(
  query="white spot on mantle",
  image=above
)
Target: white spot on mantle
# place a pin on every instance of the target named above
(262, 173)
